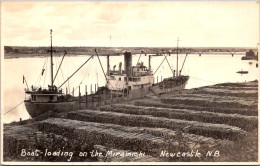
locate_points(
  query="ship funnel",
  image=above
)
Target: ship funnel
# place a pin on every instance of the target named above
(120, 67)
(128, 63)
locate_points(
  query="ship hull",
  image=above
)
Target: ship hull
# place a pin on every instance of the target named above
(166, 86)
(35, 109)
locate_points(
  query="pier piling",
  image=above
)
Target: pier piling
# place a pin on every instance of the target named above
(86, 99)
(105, 97)
(111, 97)
(79, 97)
(98, 99)
(92, 100)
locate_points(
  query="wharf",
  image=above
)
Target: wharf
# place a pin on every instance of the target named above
(221, 118)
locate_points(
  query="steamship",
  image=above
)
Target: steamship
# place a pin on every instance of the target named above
(40, 101)
(138, 81)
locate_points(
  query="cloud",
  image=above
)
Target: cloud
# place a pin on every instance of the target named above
(141, 22)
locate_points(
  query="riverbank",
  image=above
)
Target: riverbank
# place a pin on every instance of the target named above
(215, 123)
(19, 52)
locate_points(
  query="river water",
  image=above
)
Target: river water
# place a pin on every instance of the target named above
(203, 70)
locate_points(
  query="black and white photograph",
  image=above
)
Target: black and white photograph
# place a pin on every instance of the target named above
(129, 82)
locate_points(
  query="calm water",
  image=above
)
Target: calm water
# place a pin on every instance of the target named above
(204, 70)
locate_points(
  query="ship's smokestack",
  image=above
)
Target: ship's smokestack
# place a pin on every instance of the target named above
(120, 67)
(128, 63)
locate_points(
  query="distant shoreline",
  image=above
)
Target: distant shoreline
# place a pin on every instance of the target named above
(23, 52)
(14, 56)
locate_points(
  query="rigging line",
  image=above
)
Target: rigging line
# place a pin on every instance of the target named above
(101, 64)
(138, 59)
(66, 72)
(13, 108)
(45, 71)
(40, 75)
(94, 66)
(37, 82)
(160, 65)
(183, 63)
(169, 65)
(87, 70)
(204, 80)
(75, 72)
(59, 65)
(62, 74)
(56, 67)
(76, 88)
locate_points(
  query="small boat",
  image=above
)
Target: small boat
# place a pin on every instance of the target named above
(242, 72)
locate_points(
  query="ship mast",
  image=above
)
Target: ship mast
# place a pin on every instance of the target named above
(177, 58)
(51, 61)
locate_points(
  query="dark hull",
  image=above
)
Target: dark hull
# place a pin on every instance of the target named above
(36, 109)
(168, 85)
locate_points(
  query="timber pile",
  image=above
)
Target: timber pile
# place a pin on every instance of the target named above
(250, 84)
(221, 131)
(136, 139)
(191, 140)
(109, 137)
(167, 134)
(18, 137)
(231, 88)
(211, 101)
(227, 92)
(15, 139)
(206, 118)
(242, 111)
(247, 123)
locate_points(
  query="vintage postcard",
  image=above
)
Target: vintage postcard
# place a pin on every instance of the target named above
(129, 82)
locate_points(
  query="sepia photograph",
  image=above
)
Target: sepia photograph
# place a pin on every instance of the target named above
(129, 82)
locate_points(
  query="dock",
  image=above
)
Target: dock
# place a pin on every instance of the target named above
(220, 122)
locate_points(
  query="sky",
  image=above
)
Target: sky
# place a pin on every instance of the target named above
(131, 24)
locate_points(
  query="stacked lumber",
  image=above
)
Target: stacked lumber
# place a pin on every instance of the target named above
(227, 92)
(241, 111)
(247, 123)
(221, 131)
(17, 137)
(166, 134)
(232, 87)
(107, 137)
(191, 140)
(136, 139)
(240, 85)
(211, 101)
